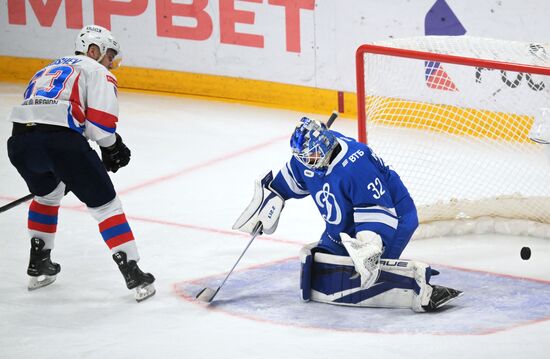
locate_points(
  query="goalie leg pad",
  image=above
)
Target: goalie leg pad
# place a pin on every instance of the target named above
(306, 261)
(402, 283)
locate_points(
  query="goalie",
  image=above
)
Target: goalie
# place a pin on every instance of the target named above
(369, 215)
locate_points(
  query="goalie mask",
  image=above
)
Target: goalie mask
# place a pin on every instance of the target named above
(312, 144)
(99, 36)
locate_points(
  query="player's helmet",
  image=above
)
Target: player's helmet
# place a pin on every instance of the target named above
(312, 143)
(97, 35)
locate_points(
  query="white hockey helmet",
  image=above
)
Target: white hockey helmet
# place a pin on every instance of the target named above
(97, 35)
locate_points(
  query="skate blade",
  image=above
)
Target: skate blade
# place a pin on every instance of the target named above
(40, 281)
(145, 291)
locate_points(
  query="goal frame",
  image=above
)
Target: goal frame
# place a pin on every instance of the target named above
(460, 215)
(426, 56)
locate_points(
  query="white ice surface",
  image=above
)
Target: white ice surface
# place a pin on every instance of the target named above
(192, 171)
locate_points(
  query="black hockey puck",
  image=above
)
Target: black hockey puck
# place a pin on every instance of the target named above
(525, 253)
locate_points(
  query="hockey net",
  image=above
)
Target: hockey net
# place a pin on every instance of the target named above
(453, 116)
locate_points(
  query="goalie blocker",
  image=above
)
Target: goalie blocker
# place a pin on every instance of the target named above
(265, 208)
(332, 279)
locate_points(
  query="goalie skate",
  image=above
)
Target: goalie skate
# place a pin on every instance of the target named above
(440, 297)
(41, 270)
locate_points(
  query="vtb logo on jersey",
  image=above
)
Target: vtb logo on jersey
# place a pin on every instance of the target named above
(327, 202)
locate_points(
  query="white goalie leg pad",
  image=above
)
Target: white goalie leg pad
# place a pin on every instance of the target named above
(419, 272)
(332, 279)
(265, 208)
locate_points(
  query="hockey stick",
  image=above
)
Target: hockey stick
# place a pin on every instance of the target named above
(207, 294)
(332, 118)
(16, 202)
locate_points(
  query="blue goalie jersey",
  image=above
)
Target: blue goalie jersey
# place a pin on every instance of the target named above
(357, 192)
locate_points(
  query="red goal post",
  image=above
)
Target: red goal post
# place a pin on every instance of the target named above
(453, 116)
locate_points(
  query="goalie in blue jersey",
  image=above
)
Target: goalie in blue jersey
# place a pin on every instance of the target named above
(370, 217)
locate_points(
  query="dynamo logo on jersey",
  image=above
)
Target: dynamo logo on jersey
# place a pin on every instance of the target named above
(327, 202)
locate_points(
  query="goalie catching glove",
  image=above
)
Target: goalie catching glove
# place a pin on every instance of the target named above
(265, 208)
(365, 252)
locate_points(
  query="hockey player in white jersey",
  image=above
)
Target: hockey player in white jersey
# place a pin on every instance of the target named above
(369, 215)
(68, 102)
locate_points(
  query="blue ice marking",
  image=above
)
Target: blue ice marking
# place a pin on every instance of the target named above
(491, 303)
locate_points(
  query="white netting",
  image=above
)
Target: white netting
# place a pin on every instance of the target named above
(458, 135)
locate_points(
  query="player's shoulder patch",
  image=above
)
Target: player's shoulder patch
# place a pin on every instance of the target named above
(352, 156)
(112, 80)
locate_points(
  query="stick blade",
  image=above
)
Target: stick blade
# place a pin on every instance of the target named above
(206, 295)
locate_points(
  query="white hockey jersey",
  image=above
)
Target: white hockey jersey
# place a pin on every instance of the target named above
(75, 92)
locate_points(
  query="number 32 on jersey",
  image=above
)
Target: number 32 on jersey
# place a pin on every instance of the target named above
(376, 187)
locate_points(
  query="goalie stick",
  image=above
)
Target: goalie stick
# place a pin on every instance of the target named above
(207, 294)
(332, 118)
(16, 202)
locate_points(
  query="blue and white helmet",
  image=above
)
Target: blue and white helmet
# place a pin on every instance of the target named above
(312, 143)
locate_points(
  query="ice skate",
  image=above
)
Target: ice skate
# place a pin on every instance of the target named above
(441, 296)
(42, 271)
(134, 277)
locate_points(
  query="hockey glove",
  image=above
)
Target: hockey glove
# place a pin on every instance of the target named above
(116, 155)
(265, 208)
(365, 252)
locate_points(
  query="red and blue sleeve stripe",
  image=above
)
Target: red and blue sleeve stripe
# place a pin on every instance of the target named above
(115, 231)
(42, 218)
(105, 121)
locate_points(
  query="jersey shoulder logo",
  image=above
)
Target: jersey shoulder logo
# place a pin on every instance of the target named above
(353, 157)
(112, 80)
(326, 201)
